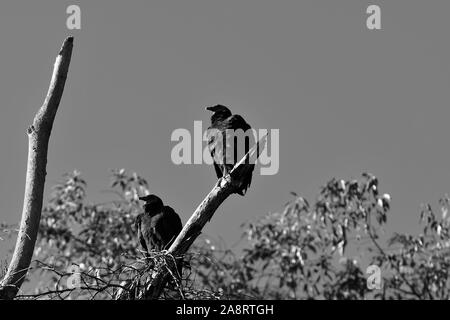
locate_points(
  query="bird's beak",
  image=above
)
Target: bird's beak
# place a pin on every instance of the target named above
(208, 108)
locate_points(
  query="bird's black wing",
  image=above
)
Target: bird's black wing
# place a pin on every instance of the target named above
(139, 232)
(236, 122)
(220, 144)
(155, 232)
(216, 149)
(170, 226)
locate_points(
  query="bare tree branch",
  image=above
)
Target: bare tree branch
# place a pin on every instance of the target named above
(224, 187)
(38, 138)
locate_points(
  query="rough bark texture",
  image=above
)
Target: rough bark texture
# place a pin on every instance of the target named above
(38, 138)
(224, 187)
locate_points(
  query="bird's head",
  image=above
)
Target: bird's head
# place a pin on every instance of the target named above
(220, 112)
(152, 203)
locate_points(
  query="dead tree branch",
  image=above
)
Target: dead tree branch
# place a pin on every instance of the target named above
(38, 138)
(224, 187)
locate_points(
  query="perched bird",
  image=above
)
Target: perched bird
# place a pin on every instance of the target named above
(225, 153)
(158, 226)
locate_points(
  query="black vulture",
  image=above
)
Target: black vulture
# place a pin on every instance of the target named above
(225, 151)
(157, 226)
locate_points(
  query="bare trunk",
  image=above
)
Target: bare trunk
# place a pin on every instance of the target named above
(38, 138)
(224, 187)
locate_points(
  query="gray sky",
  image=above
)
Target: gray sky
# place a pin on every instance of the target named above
(346, 99)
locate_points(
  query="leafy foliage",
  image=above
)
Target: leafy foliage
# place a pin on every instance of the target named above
(308, 252)
(292, 254)
(98, 238)
(317, 251)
